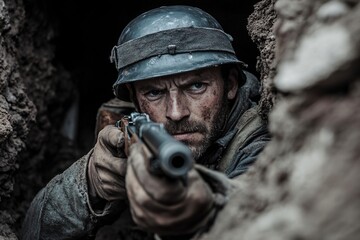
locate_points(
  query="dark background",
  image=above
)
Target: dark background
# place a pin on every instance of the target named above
(87, 31)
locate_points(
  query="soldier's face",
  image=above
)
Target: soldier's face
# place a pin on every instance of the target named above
(193, 106)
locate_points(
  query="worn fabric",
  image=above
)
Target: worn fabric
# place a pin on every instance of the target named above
(61, 210)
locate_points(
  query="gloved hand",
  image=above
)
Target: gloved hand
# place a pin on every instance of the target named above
(163, 206)
(107, 166)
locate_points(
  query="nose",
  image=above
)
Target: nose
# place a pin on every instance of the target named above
(177, 107)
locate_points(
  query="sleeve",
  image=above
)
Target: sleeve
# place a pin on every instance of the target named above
(61, 210)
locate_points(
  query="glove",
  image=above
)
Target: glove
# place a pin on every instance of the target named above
(165, 206)
(107, 166)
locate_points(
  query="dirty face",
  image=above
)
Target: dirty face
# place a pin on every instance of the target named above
(192, 106)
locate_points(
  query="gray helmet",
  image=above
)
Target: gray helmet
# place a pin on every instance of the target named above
(166, 41)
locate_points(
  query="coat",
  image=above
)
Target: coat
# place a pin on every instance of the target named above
(61, 210)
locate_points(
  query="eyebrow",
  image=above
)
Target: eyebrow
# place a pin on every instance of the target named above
(147, 88)
(181, 83)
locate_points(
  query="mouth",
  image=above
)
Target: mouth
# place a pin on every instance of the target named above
(184, 136)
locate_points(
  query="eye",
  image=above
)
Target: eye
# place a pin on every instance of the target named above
(154, 94)
(197, 87)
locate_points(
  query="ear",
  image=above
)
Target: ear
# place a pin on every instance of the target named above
(233, 83)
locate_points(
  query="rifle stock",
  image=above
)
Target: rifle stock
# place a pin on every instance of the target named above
(168, 155)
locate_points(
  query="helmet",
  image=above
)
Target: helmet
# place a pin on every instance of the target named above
(166, 41)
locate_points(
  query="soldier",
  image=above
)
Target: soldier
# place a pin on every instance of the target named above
(176, 64)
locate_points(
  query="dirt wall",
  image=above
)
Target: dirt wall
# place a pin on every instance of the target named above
(306, 184)
(34, 95)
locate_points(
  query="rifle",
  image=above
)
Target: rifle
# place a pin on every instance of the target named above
(169, 156)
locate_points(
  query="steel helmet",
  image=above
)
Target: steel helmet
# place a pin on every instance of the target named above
(166, 41)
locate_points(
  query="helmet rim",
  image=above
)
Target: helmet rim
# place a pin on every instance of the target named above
(167, 65)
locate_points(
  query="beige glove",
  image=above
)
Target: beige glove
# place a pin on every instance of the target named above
(107, 166)
(162, 206)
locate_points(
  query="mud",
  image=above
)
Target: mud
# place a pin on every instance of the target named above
(305, 184)
(31, 109)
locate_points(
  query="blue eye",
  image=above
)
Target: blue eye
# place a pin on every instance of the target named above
(153, 94)
(198, 86)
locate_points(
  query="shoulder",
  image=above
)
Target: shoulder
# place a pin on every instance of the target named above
(250, 139)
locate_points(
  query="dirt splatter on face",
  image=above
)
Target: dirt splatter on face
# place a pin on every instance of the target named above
(192, 106)
(207, 113)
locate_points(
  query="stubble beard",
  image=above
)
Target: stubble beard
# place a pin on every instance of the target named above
(210, 134)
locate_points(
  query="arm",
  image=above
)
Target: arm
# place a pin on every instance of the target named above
(62, 209)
